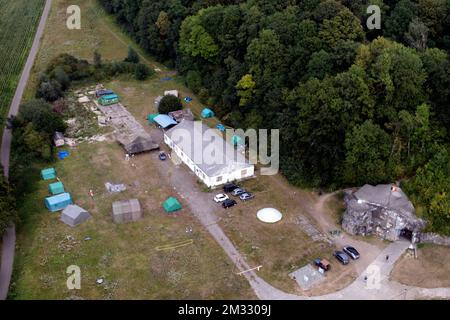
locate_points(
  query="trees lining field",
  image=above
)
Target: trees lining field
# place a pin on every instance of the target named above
(18, 23)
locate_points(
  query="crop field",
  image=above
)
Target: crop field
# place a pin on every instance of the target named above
(18, 22)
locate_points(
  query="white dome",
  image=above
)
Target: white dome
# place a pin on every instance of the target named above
(269, 215)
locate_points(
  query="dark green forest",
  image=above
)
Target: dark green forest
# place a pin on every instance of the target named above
(354, 105)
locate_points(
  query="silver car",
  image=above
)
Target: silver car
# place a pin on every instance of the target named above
(351, 252)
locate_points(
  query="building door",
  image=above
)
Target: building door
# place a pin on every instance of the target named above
(406, 234)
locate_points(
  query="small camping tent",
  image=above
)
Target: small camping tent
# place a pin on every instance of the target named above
(58, 139)
(207, 113)
(172, 93)
(172, 205)
(103, 92)
(109, 100)
(73, 215)
(126, 211)
(151, 118)
(237, 141)
(58, 202)
(220, 127)
(56, 188)
(48, 174)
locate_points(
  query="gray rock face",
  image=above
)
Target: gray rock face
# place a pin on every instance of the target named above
(435, 239)
(383, 210)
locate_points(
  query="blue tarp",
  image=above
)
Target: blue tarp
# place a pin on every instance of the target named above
(188, 99)
(63, 154)
(166, 79)
(58, 202)
(164, 121)
(207, 113)
(220, 127)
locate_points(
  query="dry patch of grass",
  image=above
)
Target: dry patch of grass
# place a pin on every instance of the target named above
(125, 255)
(283, 247)
(431, 269)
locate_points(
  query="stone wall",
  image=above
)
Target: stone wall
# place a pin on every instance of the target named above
(435, 239)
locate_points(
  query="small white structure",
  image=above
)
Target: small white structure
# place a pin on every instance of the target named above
(73, 215)
(58, 139)
(172, 93)
(83, 99)
(269, 215)
(213, 160)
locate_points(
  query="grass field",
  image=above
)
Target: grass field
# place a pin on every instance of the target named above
(127, 255)
(431, 269)
(18, 23)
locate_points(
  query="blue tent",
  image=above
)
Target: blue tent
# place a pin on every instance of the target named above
(221, 127)
(207, 113)
(237, 141)
(56, 188)
(58, 202)
(63, 154)
(48, 174)
(164, 121)
(188, 99)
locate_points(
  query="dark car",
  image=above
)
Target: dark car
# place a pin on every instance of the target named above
(162, 156)
(229, 187)
(322, 263)
(229, 203)
(341, 257)
(351, 252)
(246, 196)
(237, 192)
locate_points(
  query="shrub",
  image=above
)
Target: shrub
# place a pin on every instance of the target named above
(169, 103)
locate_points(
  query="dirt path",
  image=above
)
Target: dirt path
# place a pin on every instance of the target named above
(201, 205)
(9, 239)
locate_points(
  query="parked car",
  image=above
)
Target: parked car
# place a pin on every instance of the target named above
(229, 187)
(351, 252)
(246, 196)
(238, 192)
(341, 257)
(229, 203)
(322, 263)
(162, 156)
(221, 197)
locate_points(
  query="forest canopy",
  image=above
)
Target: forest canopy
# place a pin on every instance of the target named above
(354, 105)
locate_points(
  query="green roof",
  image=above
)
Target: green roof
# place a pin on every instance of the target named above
(151, 117)
(56, 188)
(48, 174)
(172, 205)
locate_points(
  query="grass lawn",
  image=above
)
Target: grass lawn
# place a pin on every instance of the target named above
(125, 255)
(283, 247)
(431, 269)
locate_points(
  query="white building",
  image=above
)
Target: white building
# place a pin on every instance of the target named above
(172, 93)
(213, 160)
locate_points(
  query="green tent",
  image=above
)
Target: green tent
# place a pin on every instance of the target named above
(171, 205)
(237, 141)
(151, 118)
(56, 188)
(48, 174)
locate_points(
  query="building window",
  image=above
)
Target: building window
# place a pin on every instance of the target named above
(219, 179)
(243, 173)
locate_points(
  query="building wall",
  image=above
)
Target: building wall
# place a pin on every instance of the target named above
(211, 182)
